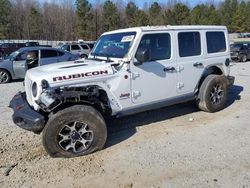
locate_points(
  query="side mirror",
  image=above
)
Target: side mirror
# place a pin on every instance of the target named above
(142, 55)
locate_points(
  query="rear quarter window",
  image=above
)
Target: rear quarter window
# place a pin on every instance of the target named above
(85, 47)
(216, 42)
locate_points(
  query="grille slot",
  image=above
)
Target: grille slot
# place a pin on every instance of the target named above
(28, 84)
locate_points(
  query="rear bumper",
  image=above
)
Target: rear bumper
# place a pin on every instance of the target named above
(230, 80)
(24, 116)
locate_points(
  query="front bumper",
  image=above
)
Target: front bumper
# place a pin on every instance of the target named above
(234, 54)
(230, 80)
(24, 116)
(234, 57)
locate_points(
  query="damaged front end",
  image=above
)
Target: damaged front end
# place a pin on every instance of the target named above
(53, 100)
(62, 97)
(25, 116)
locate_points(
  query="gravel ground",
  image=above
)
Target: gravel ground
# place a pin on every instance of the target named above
(176, 146)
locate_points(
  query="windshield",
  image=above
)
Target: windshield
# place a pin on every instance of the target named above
(65, 47)
(13, 55)
(114, 45)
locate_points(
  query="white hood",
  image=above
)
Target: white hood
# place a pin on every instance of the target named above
(68, 73)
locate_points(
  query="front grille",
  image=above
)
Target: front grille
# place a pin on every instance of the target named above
(28, 85)
(234, 53)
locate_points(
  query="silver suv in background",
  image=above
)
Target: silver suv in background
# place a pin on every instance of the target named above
(80, 49)
(18, 62)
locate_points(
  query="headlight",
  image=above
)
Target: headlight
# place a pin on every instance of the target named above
(34, 89)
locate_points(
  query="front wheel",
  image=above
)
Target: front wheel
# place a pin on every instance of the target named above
(213, 93)
(4, 76)
(74, 131)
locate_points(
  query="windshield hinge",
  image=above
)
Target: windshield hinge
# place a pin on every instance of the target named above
(180, 68)
(180, 85)
(135, 75)
(136, 94)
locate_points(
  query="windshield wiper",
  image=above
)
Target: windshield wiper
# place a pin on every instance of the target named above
(108, 60)
(94, 58)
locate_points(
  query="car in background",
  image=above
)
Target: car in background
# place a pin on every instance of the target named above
(28, 44)
(7, 48)
(60, 44)
(18, 62)
(80, 49)
(240, 52)
(1, 55)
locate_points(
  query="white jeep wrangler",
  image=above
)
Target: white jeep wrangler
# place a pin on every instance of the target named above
(129, 71)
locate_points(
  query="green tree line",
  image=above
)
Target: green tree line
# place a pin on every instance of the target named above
(29, 19)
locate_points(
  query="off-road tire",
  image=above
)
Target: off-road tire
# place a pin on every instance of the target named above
(7, 76)
(205, 97)
(78, 113)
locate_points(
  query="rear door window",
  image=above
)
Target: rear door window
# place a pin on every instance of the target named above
(216, 42)
(48, 53)
(189, 44)
(75, 47)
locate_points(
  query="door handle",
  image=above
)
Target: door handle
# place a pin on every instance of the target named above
(169, 69)
(198, 64)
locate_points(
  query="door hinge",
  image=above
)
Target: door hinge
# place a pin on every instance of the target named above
(136, 94)
(180, 85)
(180, 68)
(135, 75)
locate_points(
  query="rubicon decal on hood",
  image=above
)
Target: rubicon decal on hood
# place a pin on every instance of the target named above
(79, 75)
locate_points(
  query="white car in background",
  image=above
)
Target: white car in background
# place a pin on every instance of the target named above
(80, 49)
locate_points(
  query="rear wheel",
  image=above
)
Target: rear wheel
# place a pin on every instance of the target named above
(74, 131)
(84, 56)
(213, 93)
(4, 76)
